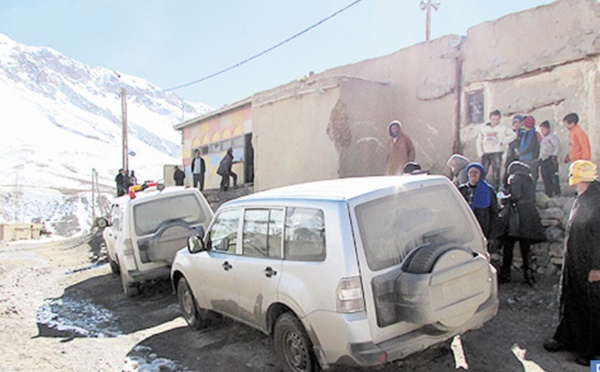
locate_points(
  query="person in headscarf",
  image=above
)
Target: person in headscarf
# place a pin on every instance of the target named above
(579, 317)
(522, 222)
(481, 197)
(400, 150)
(458, 166)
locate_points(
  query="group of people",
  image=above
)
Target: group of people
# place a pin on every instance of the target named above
(198, 168)
(511, 214)
(124, 180)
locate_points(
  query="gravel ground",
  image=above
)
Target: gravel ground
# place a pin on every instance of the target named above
(62, 309)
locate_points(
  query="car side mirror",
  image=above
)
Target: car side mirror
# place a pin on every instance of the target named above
(195, 244)
(101, 222)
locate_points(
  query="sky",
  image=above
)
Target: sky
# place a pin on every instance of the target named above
(171, 43)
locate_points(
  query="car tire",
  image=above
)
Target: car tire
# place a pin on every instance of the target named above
(129, 289)
(188, 307)
(422, 260)
(114, 266)
(293, 346)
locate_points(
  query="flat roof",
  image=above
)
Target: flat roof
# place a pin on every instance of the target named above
(212, 113)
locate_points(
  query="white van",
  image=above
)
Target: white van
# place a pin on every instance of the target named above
(142, 234)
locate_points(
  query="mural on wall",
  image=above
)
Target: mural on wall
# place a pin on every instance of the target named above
(213, 137)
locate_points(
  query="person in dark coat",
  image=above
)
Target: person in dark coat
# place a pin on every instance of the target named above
(579, 317)
(522, 222)
(481, 198)
(225, 171)
(198, 170)
(178, 176)
(120, 181)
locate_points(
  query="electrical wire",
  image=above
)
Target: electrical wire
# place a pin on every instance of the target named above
(266, 50)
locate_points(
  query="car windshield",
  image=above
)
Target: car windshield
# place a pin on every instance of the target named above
(150, 216)
(392, 226)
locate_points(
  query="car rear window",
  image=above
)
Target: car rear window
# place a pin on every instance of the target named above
(392, 226)
(150, 216)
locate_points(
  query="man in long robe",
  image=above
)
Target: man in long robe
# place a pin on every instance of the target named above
(579, 327)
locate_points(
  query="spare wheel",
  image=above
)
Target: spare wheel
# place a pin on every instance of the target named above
(451, 283)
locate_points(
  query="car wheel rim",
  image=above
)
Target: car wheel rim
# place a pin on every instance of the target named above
(187, 303)
(295, 351)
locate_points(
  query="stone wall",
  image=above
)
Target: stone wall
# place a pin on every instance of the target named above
(547, 257)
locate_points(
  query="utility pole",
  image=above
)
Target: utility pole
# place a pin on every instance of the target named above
(124, 126)
(124, 123)
(426, 5)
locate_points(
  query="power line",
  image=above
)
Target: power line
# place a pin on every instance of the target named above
(266, 50)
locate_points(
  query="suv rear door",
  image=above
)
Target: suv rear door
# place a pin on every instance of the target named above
(161, 224)
(388, 229)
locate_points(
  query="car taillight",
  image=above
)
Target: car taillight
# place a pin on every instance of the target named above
(350, 297)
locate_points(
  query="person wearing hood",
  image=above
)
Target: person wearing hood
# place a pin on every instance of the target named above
(521, 222)
(481, 198)
(400, 150)
(458, 168)
(579, 312)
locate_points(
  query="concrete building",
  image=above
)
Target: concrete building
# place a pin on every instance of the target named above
(543, 62)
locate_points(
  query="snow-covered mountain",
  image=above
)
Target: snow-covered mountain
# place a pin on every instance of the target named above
(61, 119)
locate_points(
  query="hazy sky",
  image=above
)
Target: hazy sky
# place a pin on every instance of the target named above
(175, 42)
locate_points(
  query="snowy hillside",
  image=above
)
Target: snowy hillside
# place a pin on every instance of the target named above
(61, 119)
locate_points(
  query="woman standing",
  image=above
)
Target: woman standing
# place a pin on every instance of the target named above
(481, 198)
(522, 222)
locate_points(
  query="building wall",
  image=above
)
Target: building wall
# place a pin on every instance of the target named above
(543, 62)
(321, 130)
(217, 133)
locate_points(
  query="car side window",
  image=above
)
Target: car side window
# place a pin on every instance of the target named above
(222, 236)
(262, 232)
(304, 234)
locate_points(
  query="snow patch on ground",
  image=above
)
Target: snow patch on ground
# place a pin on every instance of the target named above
(79, 316)
(147, 361)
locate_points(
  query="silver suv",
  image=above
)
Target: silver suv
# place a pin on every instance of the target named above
(143, 234)
(357, 271)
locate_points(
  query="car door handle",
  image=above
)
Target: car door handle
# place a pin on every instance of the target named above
(269, 272)
(226, 265)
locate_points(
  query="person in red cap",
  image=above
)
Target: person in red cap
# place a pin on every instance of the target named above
(529, 149)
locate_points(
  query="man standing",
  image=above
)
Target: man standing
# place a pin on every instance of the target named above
(178, 176)
(400, 150)
(120, 181)
(579, 318)
(198, 169)
(549, 150)
(225, 172)
(579, 144)
(491, 143)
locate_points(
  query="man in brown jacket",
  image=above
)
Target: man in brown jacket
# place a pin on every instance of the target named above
(400, 150)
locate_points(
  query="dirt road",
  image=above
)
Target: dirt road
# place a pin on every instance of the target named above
(59, 311)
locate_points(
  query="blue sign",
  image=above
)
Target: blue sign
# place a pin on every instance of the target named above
(595, 366)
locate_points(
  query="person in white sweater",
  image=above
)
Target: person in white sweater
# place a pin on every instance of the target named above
(491, 143)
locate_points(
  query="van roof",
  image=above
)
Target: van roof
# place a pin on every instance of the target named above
(340, 189)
